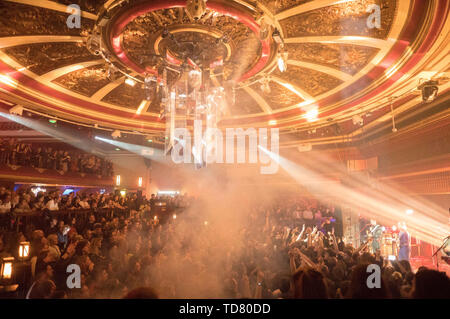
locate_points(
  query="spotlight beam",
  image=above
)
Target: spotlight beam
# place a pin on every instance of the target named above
(147, 152)
(428, 223)
(63, 135)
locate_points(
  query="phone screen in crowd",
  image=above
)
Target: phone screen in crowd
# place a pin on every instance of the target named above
(66, 230)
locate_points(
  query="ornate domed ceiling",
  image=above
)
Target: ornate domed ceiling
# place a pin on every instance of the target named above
(338, 65)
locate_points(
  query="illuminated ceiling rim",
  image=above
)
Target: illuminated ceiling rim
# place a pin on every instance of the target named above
(128, 113)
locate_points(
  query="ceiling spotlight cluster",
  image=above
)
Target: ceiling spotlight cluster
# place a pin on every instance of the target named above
(116, 134)
(429, 90)
(357, 120)
(282, 57)
(196, 9)
(16, 110)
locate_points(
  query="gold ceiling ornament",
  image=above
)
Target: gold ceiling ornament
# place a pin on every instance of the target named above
(196, 9)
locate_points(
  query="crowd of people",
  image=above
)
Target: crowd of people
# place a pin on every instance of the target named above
(289, 249)
(14, 152)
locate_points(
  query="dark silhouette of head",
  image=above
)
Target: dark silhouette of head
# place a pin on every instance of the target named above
(431, 284)
(309, 284)
(141, 293)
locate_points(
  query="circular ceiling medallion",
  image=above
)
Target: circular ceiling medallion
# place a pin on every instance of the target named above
(227, 36)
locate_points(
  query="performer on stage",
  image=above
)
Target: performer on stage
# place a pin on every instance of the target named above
(375, 233)
(404, 242)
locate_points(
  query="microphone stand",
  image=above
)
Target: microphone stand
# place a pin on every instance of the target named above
(439, 249)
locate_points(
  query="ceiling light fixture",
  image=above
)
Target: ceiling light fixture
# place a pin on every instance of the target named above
(130, 82)
(195, 9)
(276, 35)
(282, 61)
(311, 115)
(116, 134)
(394, 129)
(16, 110)
(429, 91)
(357, 120)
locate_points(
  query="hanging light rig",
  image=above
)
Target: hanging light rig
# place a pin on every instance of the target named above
(282, 57)
(181, 83)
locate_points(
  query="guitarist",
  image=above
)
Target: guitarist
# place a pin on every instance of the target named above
(375, 233)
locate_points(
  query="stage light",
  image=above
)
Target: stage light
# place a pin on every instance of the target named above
(394, 228)
(155, 217)
(117, 149)
(276, 35)
(172, 193)
(409, 211)
(206, 223)
(118, 180)
(174, 216)
(24, 250)
(140, 182)
(123, 193)
(130, 82)
(93, 44)
(272, 122)
(311, 115)
(357, 120)
(195, 79)
(16, 110)
(196, 8)
(150, 140)
(53, 121)
(116, 134)
(282, 62)
(7, 268)
(429, 91)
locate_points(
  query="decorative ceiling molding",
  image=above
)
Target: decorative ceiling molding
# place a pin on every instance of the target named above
(54, 74)
(322, 68)
(53, 6)
(345, 39)
(7, 42)
(259, 99)
(295, 89)
(309, 6)
(104, 91)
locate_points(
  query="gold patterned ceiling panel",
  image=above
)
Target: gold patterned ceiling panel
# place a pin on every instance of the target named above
(92, 6)
(126, 96)
(278, 6)
(348, 18)
(86, 81)
(41, 58)
(19, 19)
(344, 57)
(141, 33)
(313, 82)
(245, 104)
(278, 97)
